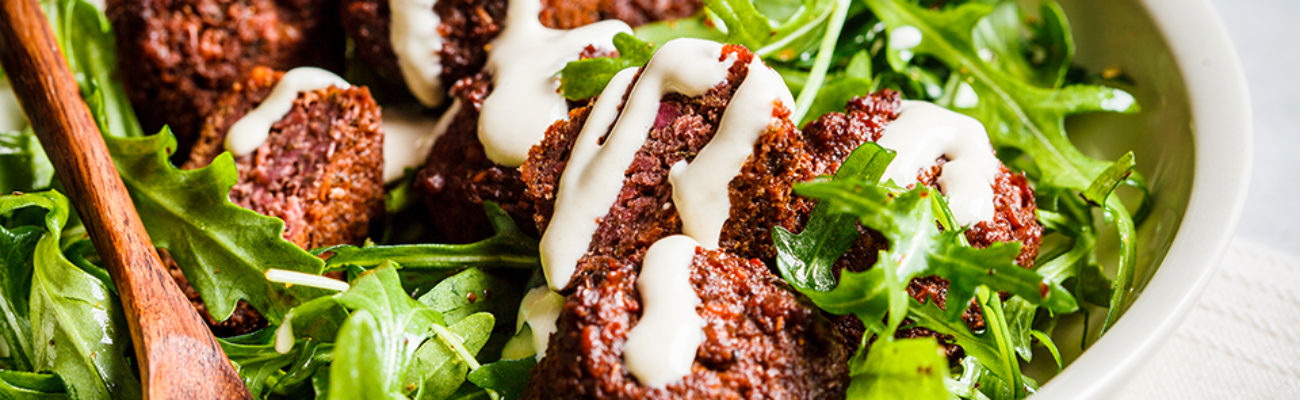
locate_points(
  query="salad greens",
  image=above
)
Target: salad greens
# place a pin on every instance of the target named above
(59, 318)
(430, 321)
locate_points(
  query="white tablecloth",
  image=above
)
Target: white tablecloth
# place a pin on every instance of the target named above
(1241, 341)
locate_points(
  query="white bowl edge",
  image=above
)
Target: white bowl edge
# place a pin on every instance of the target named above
(1223, 139)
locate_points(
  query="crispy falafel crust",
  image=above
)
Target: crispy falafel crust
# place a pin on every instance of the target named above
(468, 26)
(760, 340)
(178, 56)
(320, 169)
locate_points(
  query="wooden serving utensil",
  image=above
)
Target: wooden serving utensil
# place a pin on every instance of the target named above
(177, 354)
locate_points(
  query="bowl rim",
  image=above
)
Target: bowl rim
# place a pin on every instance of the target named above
(1223, 140)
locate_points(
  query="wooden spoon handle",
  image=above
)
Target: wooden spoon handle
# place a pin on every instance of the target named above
(178, 357)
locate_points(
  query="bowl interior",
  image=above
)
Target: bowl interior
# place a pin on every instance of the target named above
(1121, 34)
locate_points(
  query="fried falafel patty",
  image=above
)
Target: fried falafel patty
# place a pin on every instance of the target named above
(458, 175)
(759, 338)
(468, 26)
(178, 56)
(319, 170)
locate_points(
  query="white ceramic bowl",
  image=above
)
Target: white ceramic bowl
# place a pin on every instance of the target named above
(1193, 142)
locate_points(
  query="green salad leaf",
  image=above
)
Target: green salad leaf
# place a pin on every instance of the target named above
(806, 259)
(913, 366)
(23, 164)
(917, 249)
(62, 318)
(222, 248)
(34, 386)
(86, 37)
(584, 79)
(508, 378)
(508, 247)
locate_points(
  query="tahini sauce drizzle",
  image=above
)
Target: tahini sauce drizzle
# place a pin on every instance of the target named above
(414, 36)
(249, 132)
(540, 309)
(524, 62)
(594, 175)
(923, 133)
(408, 138)
(661, 347)
(701, 188)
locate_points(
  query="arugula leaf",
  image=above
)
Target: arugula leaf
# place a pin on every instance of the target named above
(1017, 114)
(222, 248)
(74, 320)
(1099, 190)
(785, 31)
(16, 248)
(508, 247)
(438, 366)
(34, 386)
(806, 259)
(508, 378)
(918, 248)
(915, 368)
(584, 79)
(362, 367)
(1038, 52)
(23, 164)
(86, 37)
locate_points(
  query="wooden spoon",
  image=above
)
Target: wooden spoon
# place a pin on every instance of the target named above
(178, 357)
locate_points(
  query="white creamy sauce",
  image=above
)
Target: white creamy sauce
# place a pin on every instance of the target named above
(247, 134)
(524, 62)
(284, 335)
(540, 309)
(595, 171)
(417, 44)
(408, 138)
(661, 347)
(923, 133)
(701, 188)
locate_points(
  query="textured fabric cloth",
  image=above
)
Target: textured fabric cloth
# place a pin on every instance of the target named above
(1242, 339)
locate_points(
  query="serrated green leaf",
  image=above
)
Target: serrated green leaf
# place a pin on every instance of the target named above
(223, 249)
(805, 260)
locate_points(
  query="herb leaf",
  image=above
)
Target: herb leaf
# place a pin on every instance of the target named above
(74, 320)
(806, 259)
(222, 248)
(916, 367)
(584, 79)
(508, 247)
(918, 248)
(506, 377)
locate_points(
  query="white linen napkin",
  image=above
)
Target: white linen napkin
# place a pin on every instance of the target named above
(1242, 339)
